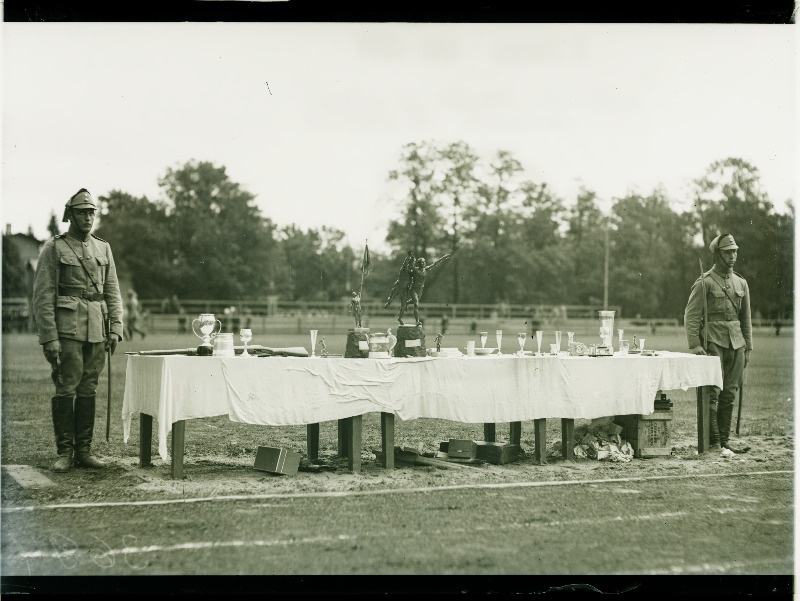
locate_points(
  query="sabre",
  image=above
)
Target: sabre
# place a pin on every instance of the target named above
(741, 400)
(705, 304)
(108, 355)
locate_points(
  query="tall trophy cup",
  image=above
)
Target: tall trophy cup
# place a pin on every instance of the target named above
(207, 324)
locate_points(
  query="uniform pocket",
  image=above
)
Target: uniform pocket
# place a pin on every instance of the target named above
(67, 315)
(717, 301)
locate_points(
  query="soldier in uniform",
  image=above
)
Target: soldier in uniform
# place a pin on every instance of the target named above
(729, 331)
(78, 309)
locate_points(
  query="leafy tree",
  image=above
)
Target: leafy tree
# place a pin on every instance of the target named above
(13, 272)
(222, 242)
(53, 225)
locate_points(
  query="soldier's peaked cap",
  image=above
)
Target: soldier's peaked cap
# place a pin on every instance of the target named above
(80, 200)
(723, 242)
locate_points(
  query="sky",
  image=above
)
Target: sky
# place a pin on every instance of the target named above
(311, 117)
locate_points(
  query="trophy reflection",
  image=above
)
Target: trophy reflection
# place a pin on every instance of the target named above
(206, 323)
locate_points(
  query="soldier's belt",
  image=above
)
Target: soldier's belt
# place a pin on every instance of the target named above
(81, 292)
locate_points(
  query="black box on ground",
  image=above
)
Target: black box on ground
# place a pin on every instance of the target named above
(277, 460)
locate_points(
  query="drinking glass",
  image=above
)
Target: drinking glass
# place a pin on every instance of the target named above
(553, 349)
(245, 335)
(521, 339)
(621, 333)
(470, 347)
(641, 344)
(484, 336)
(498, 334)
(570, 338)
(313, 341)
(539, 341)
(558, 341)
(624, 346)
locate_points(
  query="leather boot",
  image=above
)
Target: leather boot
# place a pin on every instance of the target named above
(725, 419)
(61, 408)
(714, 427)
(84, 428)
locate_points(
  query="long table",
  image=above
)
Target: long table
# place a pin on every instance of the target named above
(280, 391)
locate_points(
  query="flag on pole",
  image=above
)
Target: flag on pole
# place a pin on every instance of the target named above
(365, 262)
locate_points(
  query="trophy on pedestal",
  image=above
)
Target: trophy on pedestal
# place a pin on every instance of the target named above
(207, 324)
(357, 346)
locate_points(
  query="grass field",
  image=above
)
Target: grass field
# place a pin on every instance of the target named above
(27, 436)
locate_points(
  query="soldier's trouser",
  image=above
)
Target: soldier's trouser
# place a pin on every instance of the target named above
(81, 365)
(722, 400)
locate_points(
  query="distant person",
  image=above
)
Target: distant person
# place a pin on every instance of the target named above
(75, 299)
(726, 296)
(182, 319)
(445, 324)
(133, 316)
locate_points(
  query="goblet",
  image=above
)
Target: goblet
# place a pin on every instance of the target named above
(640, 342)
(621, 334)
(498, 334)
(484, 336)
(245, 335)
(539, 334)
(558, 341)
(207, 324)
(313, 341)
(570, 338)
(521, 336)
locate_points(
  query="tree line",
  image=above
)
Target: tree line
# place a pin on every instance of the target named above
(511, 239)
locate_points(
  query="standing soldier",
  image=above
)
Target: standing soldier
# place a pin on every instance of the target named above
(76, 300)
(729, 331)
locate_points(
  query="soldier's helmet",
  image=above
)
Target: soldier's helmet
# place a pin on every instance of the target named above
(81, 200)
(723, 242)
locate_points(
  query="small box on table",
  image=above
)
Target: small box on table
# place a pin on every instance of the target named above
(277, 460)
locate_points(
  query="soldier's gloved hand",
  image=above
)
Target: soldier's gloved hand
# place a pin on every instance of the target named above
(698, 350)
(51, 351)
(111, 343)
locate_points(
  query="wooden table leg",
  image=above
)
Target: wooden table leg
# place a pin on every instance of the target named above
(489, 433)
(178, 439)
(354, 450)
(343, 435)
(703, 419)
(515, 432)
(387, 440)
(540, 441)
(145, 440)
(312, 441)
(567, 438)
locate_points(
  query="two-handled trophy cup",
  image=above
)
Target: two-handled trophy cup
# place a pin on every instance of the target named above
(207, 324)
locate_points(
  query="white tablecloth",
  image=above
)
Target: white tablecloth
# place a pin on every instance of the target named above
(277, 391)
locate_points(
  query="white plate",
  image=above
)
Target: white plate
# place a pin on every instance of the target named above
(485, 351)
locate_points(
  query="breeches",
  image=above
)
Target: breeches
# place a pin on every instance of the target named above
(732, 361)
(81, 364)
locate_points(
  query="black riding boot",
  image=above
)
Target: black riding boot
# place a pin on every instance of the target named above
(61, 407)
(84, 428)
(714, 427)
(725, 419)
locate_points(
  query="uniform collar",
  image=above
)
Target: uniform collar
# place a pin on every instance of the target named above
(719, 271)
(77, 236)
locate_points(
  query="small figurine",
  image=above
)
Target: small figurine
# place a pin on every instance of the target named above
(438, 341)
(392, 340)
(323, 349)
(410, 283)
(355, 309)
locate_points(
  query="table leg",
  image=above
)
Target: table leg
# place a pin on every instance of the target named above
(489, 433)
(145, 440)
(515, 432)
(703, 419)
(567, 438)
(343, 435)
(354, 446)
(178, 439)
(540, 441)
(387, 439)
(312, 441)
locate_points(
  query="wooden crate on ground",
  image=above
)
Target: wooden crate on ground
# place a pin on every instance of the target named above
(647, 434)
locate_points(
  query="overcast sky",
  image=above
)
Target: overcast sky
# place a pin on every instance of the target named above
(310, 118)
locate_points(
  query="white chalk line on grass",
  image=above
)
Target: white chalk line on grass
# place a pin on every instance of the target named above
(190, 546)
(206, 545)
(384, 491)
(717, 568)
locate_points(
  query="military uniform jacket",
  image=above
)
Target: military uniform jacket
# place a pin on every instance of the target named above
(728, 317)
(66, 302)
